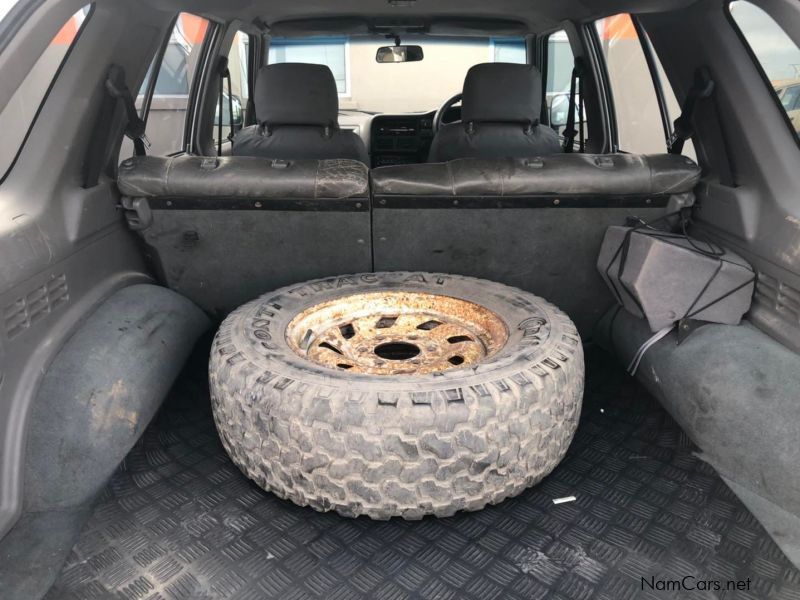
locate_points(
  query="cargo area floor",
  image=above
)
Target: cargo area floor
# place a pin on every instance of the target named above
(179, 521)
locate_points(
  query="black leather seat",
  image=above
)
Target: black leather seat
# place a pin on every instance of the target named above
(500, 112)
(534, 223)
(223, 230)
(297, 108)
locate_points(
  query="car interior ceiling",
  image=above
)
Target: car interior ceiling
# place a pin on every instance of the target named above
(484, 186)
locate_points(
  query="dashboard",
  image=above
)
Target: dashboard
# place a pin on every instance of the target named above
(396, 139)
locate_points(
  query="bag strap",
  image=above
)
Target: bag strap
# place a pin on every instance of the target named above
(135, 129)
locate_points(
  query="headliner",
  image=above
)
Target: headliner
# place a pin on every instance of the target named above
(535, 15)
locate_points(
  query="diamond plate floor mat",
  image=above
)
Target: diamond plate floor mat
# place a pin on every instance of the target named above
(179, 521)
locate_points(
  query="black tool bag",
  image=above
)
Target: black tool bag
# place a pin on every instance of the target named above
(667, 277)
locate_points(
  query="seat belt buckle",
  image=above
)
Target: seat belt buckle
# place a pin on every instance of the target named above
(680, 131)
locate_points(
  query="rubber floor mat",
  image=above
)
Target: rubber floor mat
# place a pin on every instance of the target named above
(179, 521)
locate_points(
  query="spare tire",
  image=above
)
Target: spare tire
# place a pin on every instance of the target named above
(397, 394)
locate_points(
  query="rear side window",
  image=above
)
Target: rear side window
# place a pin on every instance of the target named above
(776, 53)
(639, 125)
(672, 107)
(18, 116)
(560, 62)
(166, 118)
(233, 106)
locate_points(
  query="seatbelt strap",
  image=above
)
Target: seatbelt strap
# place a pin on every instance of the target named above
(117, 88)
(250, 113)
(219, 119)
(224, 72)
(575, 86)
(230, 104)
(683, 129)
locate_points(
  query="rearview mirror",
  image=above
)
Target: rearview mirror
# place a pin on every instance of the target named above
(398, 54)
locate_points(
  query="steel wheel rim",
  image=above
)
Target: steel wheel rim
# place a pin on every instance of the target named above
(396, 333)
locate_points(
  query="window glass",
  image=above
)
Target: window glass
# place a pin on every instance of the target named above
(167, 116)
(323, 51)
(238, 66)
(777, 54)
(368, 86)
(18, 116)
(510, 51)
(790, 97)
(639, 126)
(560, 62)
(673, 107)
(173, 76)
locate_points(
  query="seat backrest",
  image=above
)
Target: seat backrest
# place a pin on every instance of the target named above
(223, 231)
(297, 107)
(536, 224)
(500, 111)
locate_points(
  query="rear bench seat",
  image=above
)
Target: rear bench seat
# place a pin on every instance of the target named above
(223, 231)
(532, 223)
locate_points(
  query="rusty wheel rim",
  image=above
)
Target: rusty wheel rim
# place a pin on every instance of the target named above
(396, 333)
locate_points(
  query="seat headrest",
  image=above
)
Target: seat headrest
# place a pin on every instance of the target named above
(502, 93)
(296, 94)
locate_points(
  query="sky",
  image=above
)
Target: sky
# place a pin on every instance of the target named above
(5, 6)
(773, 48)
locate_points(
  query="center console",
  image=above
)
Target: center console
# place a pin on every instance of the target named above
(401, 139)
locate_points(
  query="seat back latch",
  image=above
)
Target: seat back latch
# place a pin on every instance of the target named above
(137, 213)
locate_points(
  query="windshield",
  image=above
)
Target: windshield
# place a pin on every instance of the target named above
(422, 86)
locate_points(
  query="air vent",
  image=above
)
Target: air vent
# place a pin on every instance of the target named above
(24, 312)
(780, 297)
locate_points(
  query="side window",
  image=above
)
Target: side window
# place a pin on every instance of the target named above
(511, 50)
(234, 100)
(18, 116)
(560, 61)
(639, 125)
(332, 52)
(166, 118)
(776, 53)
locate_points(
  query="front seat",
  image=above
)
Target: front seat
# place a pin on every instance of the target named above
(297, 108)
(500, 111)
